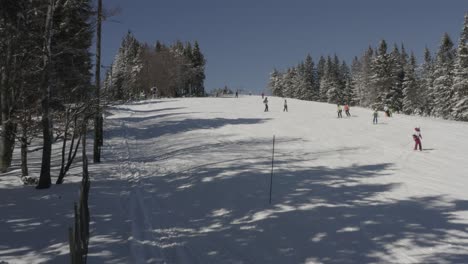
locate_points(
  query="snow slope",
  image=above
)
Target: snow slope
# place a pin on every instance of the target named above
(187, 181)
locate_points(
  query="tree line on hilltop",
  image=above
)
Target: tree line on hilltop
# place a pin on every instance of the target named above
(438, 87)
(175, 70)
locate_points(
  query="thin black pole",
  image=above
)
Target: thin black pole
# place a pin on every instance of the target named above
(272, 163)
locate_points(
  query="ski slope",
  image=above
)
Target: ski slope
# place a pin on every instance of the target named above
(187, 181)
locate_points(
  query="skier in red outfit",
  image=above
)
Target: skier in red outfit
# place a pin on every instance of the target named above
(417, 138)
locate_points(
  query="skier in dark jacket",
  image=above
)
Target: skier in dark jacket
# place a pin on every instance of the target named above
(376, 115)
(285, 109)
(266, 104)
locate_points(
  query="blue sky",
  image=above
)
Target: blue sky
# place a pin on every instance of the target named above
(244, 40)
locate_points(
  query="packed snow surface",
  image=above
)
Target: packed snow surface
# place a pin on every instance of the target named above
(188, 181)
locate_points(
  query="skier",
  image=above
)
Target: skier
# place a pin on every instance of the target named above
(339, 109)
(346, 109)
(263, 95)
(266, 104)
(387, 111)
(285, 106)
(237, 94)
(376, 115)
(417, 131)
(417, 138)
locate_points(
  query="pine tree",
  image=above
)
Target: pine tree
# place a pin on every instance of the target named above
(325, 79)
(274, 83)
(361, 77)
(199, 68)
(72, 42)
(312, 92)
(460, 80)
(412, 103)
(427, 82)
(320, 73)
(398, 61)
(331, 82)
(289, 83)
(443, 78)
(382, 79)
(299, 91)
(356, 69)
(348, 85)
(126, 67)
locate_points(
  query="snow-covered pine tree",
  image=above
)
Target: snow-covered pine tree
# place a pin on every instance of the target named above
(426, 83)
(341, 74)
(125, 68)
(289, 82)
(460, 80)
(281, 85)
(332, 82)
(398, 61)
(274, 83)
(301, 90)
(320, 73)
(355, 76)
(443, 78)
(412, 103)
(310, 79)
(382, 78)
(348, 85)
(361, 75)
(325, 79)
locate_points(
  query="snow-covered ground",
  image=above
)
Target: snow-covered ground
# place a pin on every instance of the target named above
(187, 181)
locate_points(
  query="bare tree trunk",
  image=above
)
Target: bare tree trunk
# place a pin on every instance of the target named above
(7, 144)
(24, 150)
(7, 135)
(64, 146)
(71, 153)
(85, 186)
(45, 179)
(98, 140)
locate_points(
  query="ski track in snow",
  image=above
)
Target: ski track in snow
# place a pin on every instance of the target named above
(187, 181)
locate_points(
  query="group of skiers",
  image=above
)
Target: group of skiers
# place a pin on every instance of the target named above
(265, 101)
(340, 110)
(375, 114)
(417, 137)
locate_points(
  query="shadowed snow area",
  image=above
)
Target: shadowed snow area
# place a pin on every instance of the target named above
(187, 181)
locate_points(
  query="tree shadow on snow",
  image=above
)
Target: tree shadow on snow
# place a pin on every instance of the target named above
(161, 128)
(218, 212)
(120, 108)
(34, 223)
